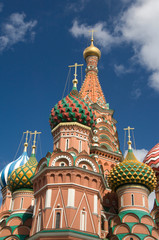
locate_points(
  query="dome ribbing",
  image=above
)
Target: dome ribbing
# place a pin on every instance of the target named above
(72, 109)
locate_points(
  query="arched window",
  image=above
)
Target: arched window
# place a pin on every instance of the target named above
(132, 199)
(67, 141)
(131, 238)
(102, 222)
(57, 220)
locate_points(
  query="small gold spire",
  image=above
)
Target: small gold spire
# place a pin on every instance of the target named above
(26, 141)
(34, 141)
(92, 31)
(129, 136)
(75, 81)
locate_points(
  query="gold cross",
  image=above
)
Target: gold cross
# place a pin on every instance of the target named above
(75, 81)
(128, 129)
(92, 31)
(35, 133)
(27, 133)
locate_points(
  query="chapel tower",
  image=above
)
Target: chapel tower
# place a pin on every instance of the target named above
(105, 142)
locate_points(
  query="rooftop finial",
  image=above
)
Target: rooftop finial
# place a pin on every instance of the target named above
(129, 136)
(92, 39)
(34, 141)
(26, 141)
(75, 81)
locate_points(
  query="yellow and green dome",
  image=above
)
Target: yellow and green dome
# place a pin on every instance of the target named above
(131, 171)
(21, 177)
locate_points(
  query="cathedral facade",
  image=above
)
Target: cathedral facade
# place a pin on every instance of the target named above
(84, 188)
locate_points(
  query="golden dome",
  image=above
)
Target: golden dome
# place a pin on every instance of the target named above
(131, 171)
(92, 51)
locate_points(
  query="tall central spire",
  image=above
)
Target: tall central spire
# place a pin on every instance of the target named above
(91, 90)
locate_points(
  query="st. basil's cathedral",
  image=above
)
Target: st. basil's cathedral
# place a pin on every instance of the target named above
(83, 189)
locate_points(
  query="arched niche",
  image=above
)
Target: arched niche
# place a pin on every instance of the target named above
(130, 217)
(123, 228)
(147, 220)
(140, 228)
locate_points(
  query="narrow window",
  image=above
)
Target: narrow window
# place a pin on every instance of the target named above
(83, 221)
(12, 206)
(80, 146)
(132, 199)
(48, 198)
(95, 204)
(38, 228)
(143, 200)
(121, 201)
(57, 220)
(21, 203)
(34, 207)
(71, 197)
(102, 222)
(67, 144)
(57, 144)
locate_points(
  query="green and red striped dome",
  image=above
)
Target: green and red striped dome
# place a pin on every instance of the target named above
(72, 109)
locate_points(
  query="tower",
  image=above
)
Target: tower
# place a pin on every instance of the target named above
(4, 174)
(69, 184)
(18, 223)
(105, 143)
(132, 181)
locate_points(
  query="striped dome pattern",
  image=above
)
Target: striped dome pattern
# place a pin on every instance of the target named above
(72, 109)
(152, 158)
(10, 167)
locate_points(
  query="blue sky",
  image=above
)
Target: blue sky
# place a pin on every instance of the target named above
(39, 39)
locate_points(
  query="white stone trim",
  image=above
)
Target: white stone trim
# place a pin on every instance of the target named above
(61, 157)
(86, 160)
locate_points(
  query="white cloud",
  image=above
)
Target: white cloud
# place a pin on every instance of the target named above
(103, 37)
(121, 69)
(1, 7)
(15, 30)
(137, 26)
(76, 6)
(136, 93)
(139, 154)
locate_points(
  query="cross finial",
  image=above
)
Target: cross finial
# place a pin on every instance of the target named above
(92, 31)
(34, 141)
(26, 140)
(129, 136)
(75, 81)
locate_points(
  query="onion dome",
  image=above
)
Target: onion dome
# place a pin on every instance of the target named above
(12, 166)
(21, 177)
(152, 158)
(131, 171)
(72, 109)
(91, 51)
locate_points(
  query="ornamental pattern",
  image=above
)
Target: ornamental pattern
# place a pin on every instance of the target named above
(72, 109)
(21, 177)
(152, 158)
(131, 171)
